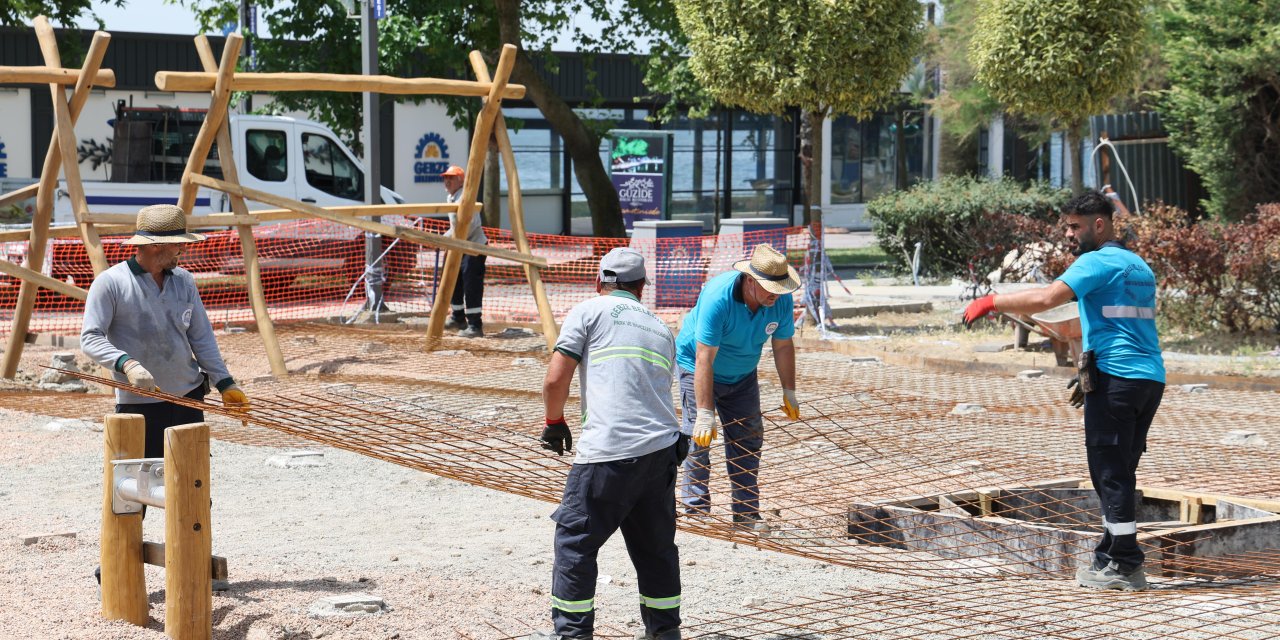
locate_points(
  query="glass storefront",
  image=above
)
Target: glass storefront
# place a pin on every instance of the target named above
(864, 155)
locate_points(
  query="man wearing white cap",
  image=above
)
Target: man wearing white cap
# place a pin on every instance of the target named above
(624, 475)
(144, 322)
(717, 352)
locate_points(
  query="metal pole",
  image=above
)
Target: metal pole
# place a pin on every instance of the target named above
(375, 270)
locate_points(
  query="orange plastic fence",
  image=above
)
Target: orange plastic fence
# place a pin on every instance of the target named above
(312, 269)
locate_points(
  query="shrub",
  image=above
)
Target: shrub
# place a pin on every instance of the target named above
(965, 225)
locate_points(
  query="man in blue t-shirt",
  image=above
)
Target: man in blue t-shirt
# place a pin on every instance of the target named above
(1116, 291)
(717, 353)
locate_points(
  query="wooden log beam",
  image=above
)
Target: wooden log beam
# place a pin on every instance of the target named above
(18, 195)
(105, 78)
(409, 235)
(196, 81)
(124, 586)
(153, 554)
(213, 119)
(215, 220)
(41, 280)
(188, 534)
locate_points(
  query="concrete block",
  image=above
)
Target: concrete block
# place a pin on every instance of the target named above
(864, 360)
(1194, 388)
(346, 604)
(33, 538)
(296, 459)
(1244, 438)
(992, 347)
(1030, 374)
(966, 408)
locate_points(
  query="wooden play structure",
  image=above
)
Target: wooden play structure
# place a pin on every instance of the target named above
(178, 484)
(220, 78)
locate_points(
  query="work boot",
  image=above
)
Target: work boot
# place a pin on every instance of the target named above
(454, 323)
(551, 635)
(1110, 577)
(471, 332)
(751, 522)
(670, 634)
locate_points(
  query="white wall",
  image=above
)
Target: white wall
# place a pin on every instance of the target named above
(15, 134)
(426, 142)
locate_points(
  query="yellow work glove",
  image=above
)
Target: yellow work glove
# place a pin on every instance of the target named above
(790, 405)
(139, 376)
(234, 398)
(704, 428)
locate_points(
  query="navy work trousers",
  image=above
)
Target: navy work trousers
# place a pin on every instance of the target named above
(1117, 417)
(636, 495)
(738, 406)
(468, 291)
(162, 415)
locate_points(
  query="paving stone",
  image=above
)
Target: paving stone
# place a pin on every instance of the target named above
(296, 459)
(1243, 437)
(966, 408)
(32, 538)
(347, 603)
(1030, 374)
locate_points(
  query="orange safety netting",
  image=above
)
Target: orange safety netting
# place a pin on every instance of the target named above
(313, 269)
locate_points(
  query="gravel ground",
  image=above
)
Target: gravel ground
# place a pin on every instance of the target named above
(450, 560)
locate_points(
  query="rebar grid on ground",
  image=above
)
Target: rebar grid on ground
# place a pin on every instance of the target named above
(885, 438)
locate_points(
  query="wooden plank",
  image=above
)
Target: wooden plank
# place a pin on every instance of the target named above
(470, 188)
(41, 280)
(38, 237)
(188, 534)
(153, 554)
(405, 233)
(515, 210)
(18, 195)
(1227, 510)
(195, 81)
(105, 78)
(248, 246)
(60, 232)
(124, 587)
(1176, 495)
(213, 119)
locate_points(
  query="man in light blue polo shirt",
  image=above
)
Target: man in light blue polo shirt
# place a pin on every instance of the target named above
(717, 352)
(1121, 380)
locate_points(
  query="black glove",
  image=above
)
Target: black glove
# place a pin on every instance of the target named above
(557, 437)
(1077, 393)
(682, 448)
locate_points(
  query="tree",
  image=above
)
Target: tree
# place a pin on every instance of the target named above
(436, 36)
(1222, 107)
(1063, 60)
(63, 13)
(825, 57)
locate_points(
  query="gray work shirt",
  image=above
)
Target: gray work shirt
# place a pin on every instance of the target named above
(475, 233)
(626, 361)
(166, 331)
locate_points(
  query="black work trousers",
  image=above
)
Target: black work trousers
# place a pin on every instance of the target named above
(1117, 417)
(468, 291)
(162, 415)
(636, 495)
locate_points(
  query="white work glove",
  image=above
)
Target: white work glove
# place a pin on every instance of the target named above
(704, 428)
(790, 405)
(139, 376)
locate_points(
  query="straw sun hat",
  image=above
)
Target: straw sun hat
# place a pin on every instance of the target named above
(162, 224)
(770, 269)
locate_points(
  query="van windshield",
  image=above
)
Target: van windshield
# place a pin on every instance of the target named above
(329, 169)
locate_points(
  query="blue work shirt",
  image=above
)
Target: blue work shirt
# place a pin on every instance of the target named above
(1116, 291)
(721, 319)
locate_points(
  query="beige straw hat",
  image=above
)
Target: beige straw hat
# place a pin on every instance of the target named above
(162, 224)
(770, 269)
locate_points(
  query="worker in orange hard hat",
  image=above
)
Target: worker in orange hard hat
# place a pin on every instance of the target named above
(468, 292)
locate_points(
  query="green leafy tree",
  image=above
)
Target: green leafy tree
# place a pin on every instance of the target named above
(1222, 107)
(826, 57)
(1062, 60)
(433, 37)
(62, 13)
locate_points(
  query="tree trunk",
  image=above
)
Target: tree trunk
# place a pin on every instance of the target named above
(900, 179)
(583, 147)
(1073, 158)
(815, 170)
(806, 165)
(492, 189)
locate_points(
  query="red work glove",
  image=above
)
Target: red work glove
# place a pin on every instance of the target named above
(979, 308)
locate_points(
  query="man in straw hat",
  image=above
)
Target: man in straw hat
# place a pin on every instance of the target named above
(717, 352)
(144, 321)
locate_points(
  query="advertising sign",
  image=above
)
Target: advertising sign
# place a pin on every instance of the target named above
(640, 167)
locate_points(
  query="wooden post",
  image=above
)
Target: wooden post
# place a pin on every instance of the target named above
(470, 187)
(124, 588)
(248, 246)
(39, 236)
(515, 210)
(64, 131)
(212, 121)
(187, 534)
